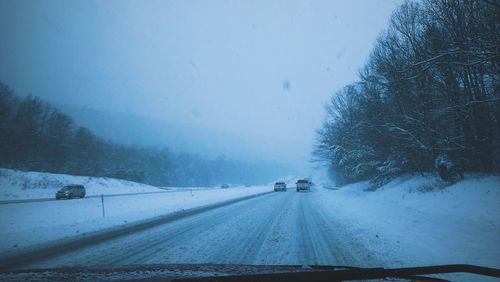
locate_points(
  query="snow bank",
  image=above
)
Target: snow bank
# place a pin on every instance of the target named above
(29, 185)
(419, 220)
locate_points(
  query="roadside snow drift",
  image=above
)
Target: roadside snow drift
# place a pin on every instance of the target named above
(31, 185)
(417, 220)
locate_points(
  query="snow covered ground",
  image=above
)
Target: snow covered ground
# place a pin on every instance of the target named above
(34, 185)
(416, 220)
(53, 220)
(411, 221)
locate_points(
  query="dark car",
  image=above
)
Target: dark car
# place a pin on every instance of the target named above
(280, 186)
(71, 191)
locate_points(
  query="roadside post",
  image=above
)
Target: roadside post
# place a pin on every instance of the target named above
(102, 205)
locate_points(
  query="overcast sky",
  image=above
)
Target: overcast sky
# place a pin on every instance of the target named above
(262, 68)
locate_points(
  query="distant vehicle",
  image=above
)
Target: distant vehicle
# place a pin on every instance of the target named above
(71, 191)
(280, 186)
(224, 186)
(303, 185)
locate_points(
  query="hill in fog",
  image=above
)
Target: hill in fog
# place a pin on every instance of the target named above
(177, 136)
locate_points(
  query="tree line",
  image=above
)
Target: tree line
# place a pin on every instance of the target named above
(35, 136)
(428, 98)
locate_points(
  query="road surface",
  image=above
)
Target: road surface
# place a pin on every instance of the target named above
(277, 228)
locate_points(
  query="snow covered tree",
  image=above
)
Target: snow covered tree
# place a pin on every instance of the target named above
(431, 88)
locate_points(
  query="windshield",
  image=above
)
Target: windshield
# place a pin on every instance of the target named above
(359, 133)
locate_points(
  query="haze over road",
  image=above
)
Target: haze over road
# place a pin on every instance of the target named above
(277, 228)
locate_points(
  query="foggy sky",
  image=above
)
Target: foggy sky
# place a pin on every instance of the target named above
(259, 68)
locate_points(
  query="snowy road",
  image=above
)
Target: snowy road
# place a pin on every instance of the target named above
(277, 228)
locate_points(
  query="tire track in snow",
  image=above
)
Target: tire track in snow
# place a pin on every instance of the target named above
(142, 246)
(279, 228)
(250, 251)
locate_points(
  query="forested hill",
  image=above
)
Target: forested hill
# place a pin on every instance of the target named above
(428, 99)
(36, 136)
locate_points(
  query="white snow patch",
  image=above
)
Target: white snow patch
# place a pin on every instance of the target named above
(417, 220)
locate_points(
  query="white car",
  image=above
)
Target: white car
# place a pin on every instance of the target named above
(303, 185)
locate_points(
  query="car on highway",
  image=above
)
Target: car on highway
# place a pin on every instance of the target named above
(71, 191)
(280, 186)
(303, 185)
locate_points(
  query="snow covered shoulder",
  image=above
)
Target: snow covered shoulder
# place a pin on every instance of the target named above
(417, 220)
(31, 185)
